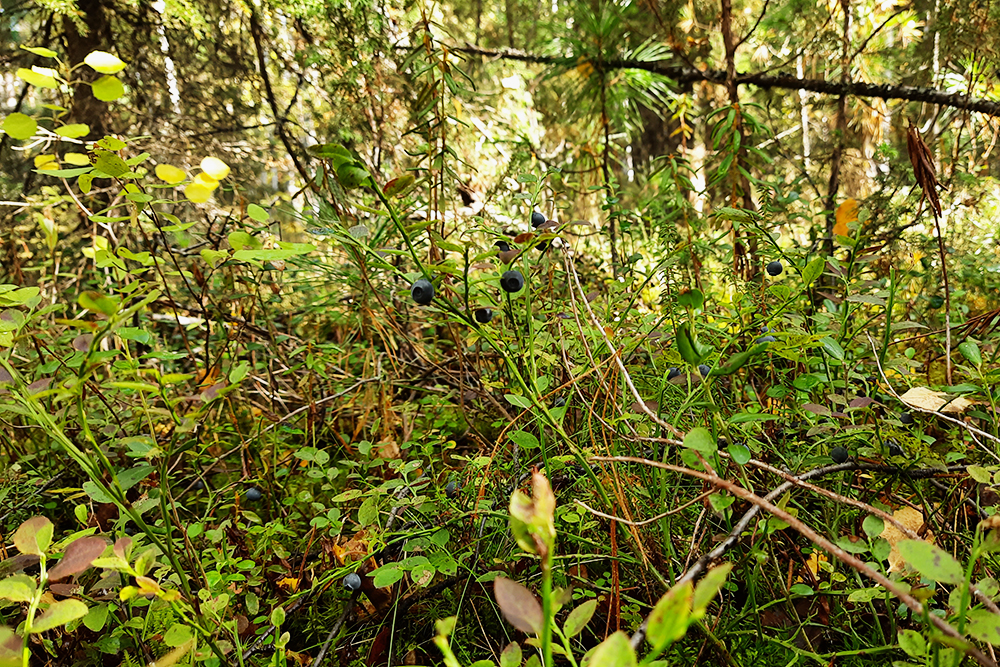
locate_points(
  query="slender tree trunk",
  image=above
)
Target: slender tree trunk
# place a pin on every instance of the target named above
(744, 260)
(95, 35)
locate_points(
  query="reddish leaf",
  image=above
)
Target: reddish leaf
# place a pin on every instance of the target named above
(519, 606)
(78, 557)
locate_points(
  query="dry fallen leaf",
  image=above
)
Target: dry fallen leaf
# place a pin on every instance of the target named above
(912, 519)
(928, 399)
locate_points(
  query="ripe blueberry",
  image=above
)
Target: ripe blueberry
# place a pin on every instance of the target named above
(774, 268)
(672, 373)
(512, 281)
(452, 488)
(198, 485)
(906, 418)
(483, 315)
(766, 339)
(559, 402)
(422, 291)
(537, 219)
(254, 494)
(839, 454)
(704, 369)
(352, 582)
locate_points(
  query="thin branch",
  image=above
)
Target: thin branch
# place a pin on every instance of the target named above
(683, 74)
(806, 531)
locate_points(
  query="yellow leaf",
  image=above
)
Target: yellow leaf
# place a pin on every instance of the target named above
(215, 168)
(46, 162)
(928, 399)
(289, 583)
(206, 180)
(170, 174)
(846, 213)
(197, 193)
(911, 519)
(77, 159)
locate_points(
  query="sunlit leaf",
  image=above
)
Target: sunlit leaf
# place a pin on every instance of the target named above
(104, 62)
(108, 88)
(19, 126)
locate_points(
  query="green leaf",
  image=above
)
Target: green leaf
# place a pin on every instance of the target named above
(40, 51)
(19, 126)
(59, 614)
(133, 476)
(832, 347)
(980, 474)
(257, 213)
(41, 79)
(688, 346)
(104, 62)
(110, 164)
(668, 622)
(615, 651)
(108, 89)
(518, 401)
(387, 575)
(96, 302)
(579, 617)
(739, 452)
(73, 131)
(17, 588)
(523, 439)
(511, 655)
(984, 625)
(708, 588)
(179, 634)
(72, 172)
(912, 643)
(96, 617)
(277, 616)
(34, 536)
(701, 440)
(971, 352)
(351, 175)
(873, 526)
(17, 297)
(691, 298)
(813, 270)
(931, 562)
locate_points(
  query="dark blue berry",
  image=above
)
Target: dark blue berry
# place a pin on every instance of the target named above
(704, 369)
(422, 291)
(452, 488)
(483, 315)
(839, 454)
(894, 448)
(352, 582)
(254, 494)
(512, 281)
(906, 418)
(775, 268)
(503, 246)
(559, 402)
(766, 339)
(672, 373)
(537, 219)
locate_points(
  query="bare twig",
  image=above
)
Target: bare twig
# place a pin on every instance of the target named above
(806, 531)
